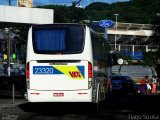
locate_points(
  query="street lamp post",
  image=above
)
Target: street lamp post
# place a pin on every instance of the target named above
(9, 47)
(116, 32)
(8, 61)
(158, 14)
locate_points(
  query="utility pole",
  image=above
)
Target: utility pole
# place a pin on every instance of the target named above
(158, 14)
(9, 47)
(8, 51)
(116, 32)
(8, 61)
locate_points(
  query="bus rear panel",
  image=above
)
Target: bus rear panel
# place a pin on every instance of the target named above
(59, 63)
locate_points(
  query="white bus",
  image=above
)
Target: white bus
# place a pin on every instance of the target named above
(67, 63)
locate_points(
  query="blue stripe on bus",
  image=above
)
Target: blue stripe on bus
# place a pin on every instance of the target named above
(45, 70)
(51, 70)
(81, 69)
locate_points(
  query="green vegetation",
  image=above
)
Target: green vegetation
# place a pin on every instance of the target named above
(150, 58)
(133, 11)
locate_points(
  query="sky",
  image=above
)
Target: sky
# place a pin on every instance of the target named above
(60, 2)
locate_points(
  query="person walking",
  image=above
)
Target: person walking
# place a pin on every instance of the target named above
(158, 81)
(146, 78)
(149, 88)
(154, 84)
(143, 86)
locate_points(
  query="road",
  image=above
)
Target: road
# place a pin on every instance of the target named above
(141, 107)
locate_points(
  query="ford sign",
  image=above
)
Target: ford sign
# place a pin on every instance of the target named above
(106, 23)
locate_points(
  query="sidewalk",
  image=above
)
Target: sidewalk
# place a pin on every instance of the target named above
(8, 102)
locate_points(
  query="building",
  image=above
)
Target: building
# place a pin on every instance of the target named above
(24, 3)
(128, 38)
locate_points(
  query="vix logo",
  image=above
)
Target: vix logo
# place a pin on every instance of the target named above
(72, 71)
(75, 74)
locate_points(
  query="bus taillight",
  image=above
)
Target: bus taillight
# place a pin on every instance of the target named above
(89, 75)
(27, 70)
(89, 70)
(27, 75)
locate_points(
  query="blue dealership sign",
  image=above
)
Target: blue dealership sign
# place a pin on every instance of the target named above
(106, 23)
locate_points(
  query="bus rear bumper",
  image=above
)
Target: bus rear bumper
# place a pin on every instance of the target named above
(59, 96)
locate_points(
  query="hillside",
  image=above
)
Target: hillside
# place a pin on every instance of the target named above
(133, 11)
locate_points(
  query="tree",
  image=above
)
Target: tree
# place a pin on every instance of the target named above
(76, 14)
(150, 59)
(156, 40)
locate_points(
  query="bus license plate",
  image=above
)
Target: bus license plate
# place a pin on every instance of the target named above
(58, 94)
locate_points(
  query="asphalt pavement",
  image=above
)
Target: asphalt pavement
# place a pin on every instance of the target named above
(134, 107)
(8, 102)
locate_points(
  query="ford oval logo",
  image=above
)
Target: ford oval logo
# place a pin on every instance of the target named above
(105, 23)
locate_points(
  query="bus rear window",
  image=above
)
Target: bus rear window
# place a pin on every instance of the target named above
(64, 39)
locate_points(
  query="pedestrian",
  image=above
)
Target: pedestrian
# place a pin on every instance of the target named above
(158, 81)
(149, 88)
(154, 84)
(143, 86)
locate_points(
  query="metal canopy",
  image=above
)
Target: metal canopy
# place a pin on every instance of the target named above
(12, 16)
(127, 33)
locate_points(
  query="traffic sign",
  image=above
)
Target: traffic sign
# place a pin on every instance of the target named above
(106, 23)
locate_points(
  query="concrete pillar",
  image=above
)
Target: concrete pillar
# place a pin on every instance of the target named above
(105, 30)
(119, 47)
(147, 48)
(133, 50)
